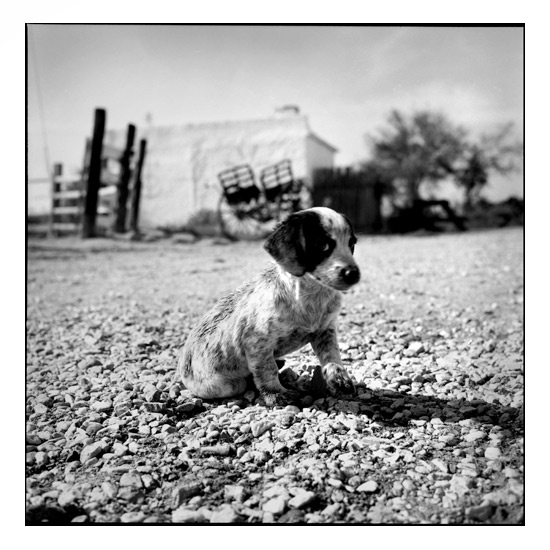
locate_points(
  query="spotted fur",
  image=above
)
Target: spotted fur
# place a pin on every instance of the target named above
(293, 302)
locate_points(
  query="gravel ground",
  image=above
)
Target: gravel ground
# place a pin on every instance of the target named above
(433, 335)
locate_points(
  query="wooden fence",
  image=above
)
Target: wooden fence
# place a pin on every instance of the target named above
(355, 194)
(105, 195)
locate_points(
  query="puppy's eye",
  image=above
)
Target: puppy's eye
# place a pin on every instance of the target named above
(325, 247)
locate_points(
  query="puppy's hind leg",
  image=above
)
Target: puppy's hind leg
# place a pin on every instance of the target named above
(216, 386)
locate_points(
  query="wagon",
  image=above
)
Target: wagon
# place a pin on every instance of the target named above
(247, 211)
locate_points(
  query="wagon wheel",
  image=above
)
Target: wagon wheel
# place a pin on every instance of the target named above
(243, 221)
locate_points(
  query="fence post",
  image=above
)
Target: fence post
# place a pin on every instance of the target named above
(57, 171)
(94, 175)
(136, 193)
(122, 196)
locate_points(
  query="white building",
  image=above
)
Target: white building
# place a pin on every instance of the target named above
(180, 174)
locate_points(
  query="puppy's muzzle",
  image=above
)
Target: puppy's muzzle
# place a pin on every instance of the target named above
(350, 275)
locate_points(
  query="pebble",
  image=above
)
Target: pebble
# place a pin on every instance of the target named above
(301, 498)
(275, 505)
(109, 489)
(132, 517)
(66, 497)
(183, 515)
(131, 479)
(225, 514)
(102, 406)
(185, 491)
(92, 450)
(260, 427)
(492, 453)
(480, 513)
(474, 436)
(367, 487)
(233, 492)
(415, 348)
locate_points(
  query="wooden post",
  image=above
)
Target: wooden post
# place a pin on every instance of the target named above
(57, 171)
(136, 193)
(94, 176)
(122, 197)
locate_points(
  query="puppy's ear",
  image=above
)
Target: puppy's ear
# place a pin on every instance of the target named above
(286, 245)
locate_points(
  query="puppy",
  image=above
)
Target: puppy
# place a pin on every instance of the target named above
(294, 302)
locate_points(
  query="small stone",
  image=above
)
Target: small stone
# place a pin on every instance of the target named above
(368, 487)
(183, 515)
(93, 428)
(440, 464)
(33, 439)
(292, 516)
(474, 436)
(225, 514)
(119, 449)
(233, 492)
(275, 505)
(131, 479)
(480, 513)
(80, 519)
(131, 494)
(223, 449)
(260, 427)
(510, 472)
(109, 489)
(102, 406)
(301, 499)
(132, 517)
(185, 491)
(40, 408)
(41, 458)
(66, 497)
(416, 348)
(492, 453)
(92, 450)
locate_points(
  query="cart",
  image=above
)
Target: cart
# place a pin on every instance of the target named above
(248, 212)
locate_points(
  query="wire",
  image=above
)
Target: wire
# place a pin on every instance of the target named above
(40, 104)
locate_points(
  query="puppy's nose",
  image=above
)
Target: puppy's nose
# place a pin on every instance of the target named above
(350, 274)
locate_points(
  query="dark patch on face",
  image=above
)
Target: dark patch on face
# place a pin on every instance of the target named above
(353, 238)
(300, 243)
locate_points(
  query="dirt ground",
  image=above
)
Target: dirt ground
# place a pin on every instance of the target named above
(458, 296)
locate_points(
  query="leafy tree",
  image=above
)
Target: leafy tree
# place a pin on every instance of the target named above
(423, 147)
(497, 152)
(426, 147)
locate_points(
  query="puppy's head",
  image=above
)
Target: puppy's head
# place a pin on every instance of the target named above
(317, 241)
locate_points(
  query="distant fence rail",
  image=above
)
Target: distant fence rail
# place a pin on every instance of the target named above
(106, 184)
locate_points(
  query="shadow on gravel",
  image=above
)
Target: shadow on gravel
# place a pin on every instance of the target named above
(52, 514)
(395, 408)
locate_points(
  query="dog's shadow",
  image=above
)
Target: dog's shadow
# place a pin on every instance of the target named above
(390, 408)
(395, 408)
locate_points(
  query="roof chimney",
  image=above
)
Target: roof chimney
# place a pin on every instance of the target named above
(288, 110)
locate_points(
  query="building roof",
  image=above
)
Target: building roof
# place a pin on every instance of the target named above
(294, 123)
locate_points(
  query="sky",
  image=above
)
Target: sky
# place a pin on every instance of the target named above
(345, 79)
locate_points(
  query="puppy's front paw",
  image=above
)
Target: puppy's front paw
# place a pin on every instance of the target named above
(279, 398)
(337, 379)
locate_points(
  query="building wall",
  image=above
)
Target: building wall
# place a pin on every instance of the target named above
(180, 174)
(318, 156)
